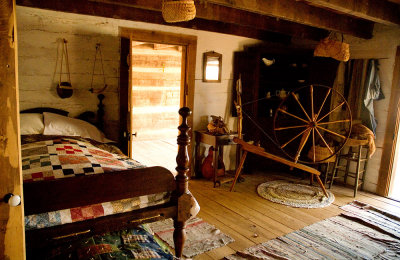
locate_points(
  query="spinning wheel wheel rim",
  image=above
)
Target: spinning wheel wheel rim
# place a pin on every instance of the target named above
(311, 124)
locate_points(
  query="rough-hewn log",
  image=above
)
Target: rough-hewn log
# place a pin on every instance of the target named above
(373, 10)
(12, 239)
(150, 16)
(220, 13)
(303, 13)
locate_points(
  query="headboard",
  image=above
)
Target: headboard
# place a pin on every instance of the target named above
(87, 116)
(41, 110)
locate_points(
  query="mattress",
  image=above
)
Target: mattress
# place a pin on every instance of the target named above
(66, 157)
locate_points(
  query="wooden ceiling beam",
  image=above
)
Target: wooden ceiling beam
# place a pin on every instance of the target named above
(135, 14)
(300, 12)
(373, 10)
(220, 13)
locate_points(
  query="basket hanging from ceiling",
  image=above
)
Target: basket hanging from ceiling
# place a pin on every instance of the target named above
(178, 10)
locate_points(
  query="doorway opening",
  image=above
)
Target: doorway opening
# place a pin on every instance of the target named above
(157, 72)
(156, 75)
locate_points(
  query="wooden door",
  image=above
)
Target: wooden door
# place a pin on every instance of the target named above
(188, 44)
(12, 239)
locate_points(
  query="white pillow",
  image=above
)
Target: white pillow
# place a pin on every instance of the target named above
(31, 124)
(61, 125)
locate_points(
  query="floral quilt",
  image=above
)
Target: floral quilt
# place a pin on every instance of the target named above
(68, 157)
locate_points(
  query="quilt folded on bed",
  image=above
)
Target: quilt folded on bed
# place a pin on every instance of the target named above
(67, 157)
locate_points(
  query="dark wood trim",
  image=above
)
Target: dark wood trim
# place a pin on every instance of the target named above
(303, 13)
(41, 110)
(244, 24)
(46, 196)
(373, 10)
(392, 128)
(123, 94)
(209, 12)
(182, 179)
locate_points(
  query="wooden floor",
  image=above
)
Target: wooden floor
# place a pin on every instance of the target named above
(242, 214)
(251, 220)
(156, 152)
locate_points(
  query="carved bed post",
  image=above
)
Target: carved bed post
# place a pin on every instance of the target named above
(100, 112)
(182, 179)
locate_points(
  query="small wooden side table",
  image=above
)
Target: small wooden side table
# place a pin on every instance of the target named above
(217, 141)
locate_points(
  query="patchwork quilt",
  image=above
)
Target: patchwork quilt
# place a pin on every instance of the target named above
(68, 157)
(127, 244)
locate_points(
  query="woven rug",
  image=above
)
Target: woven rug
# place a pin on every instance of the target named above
(200, 236)
(362, 232)
(294, 194)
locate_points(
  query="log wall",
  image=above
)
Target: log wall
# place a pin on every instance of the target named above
(40, 30)
(156, 85)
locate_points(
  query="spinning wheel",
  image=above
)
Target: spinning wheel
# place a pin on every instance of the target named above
(312, 124)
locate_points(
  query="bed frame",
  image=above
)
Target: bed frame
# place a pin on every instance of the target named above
(45, 196)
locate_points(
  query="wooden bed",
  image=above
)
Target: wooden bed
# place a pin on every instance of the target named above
(58, 194)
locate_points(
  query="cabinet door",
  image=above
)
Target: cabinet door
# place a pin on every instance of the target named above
(323, 71)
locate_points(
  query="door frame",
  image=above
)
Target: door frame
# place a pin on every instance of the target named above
(392, 128)
(12, 235)
(189, 44)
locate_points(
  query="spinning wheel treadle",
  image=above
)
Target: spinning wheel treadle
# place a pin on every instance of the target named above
(310, 119)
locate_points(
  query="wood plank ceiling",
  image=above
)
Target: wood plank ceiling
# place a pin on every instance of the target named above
(275, 20)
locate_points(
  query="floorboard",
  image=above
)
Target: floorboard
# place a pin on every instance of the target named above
(245, 216)
(250, 219)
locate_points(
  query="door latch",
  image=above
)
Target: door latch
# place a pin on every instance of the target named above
(128, 135)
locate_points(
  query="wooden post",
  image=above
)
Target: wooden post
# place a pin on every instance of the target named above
(12, 240)
(182, 159)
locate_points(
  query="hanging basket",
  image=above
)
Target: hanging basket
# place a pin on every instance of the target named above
(178, 10)
(330, 47)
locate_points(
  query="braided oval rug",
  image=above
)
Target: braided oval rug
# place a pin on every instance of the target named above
(294, 194)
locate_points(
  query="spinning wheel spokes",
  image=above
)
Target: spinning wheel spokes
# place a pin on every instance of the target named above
(323, 140)
(287, 113)
(327, 114)
(302, 108)
(323, 103)
(294, 138)
(329, 131)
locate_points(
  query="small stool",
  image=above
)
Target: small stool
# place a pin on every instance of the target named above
(354, 154)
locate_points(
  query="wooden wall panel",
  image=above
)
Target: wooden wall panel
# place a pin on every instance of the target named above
(392, 127)
(39, 44)
(12, 237)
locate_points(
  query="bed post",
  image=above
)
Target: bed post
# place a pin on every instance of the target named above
(182, 159)
(100, 112)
